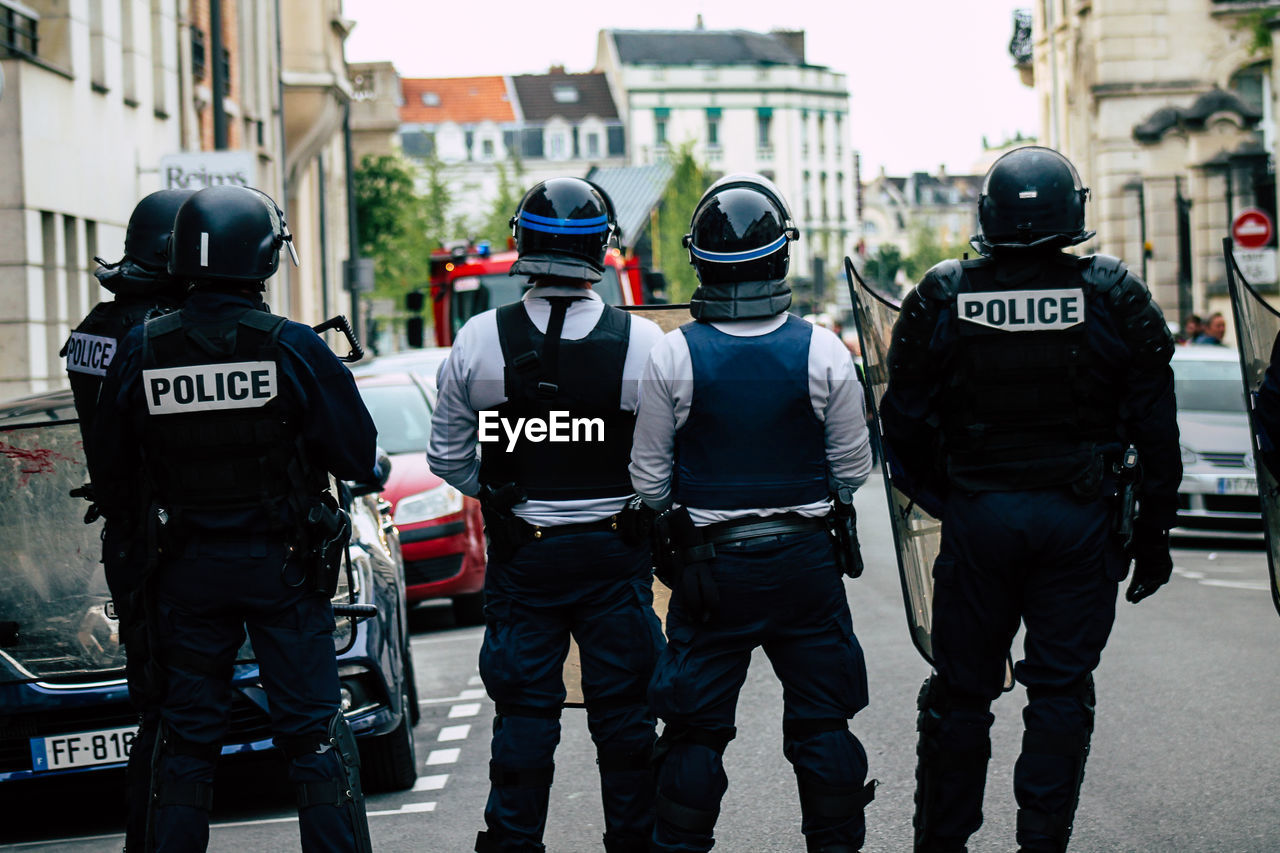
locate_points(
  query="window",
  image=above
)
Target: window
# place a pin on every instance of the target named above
(418, 143)
(486, 149)
(531, 143)
(129, 48)
(557, 147)
(593, 145)
(713, 127)
(804, 133)
(565, 94)
(430, 99)
(469, 139)
(97, 48)
(617, 140)
(660, 116)
(822, 134)
(764, 127)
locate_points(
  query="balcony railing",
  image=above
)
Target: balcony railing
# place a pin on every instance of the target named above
(19, 34)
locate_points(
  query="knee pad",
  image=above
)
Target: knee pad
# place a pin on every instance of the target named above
(1071, 746)
(165, 793)
(674, 734)
(505, 776)
(940, 761)
(832, 802)
(537, 712)
(801, 729)
(624, 761)
(1081, 691)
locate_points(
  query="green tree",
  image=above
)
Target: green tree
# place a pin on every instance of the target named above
(495, 227)
(882, 268)
(687, 185)
(927, 250)
(392, 224)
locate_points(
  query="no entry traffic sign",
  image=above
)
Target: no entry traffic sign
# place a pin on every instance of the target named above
(1251, 229)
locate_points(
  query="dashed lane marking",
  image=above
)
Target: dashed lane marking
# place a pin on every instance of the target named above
(443, 756)
(462, 697)
(478, 693)
(407, 808)
(474, 680)
(468, 710)
(1256, 586)
(455, 732)
(431, 783)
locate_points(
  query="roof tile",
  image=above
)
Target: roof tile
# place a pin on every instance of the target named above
(464, 100)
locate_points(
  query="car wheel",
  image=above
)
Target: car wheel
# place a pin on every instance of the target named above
(389, 762)
(469, 609)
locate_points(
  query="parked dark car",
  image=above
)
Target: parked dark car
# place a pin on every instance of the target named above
(64, 705)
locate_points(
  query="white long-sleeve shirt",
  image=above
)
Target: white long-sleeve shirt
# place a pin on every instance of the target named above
(471, 380)
(667, 393)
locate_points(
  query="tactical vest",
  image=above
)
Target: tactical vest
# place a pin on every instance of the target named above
(576, 384)
(1025, 403)
(752, 438)
(218, 435)
(93, 344)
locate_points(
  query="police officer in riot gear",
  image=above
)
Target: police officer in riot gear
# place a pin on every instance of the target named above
(142, 288)
(1016, 382)
(235, 417)
(554, 514)
(750, 420)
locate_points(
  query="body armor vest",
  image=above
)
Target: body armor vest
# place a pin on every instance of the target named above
(1025, 404)
(218, 435)
(751, 439)
(93, 344)
(576, 383)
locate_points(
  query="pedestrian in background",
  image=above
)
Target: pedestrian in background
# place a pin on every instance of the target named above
(750, 427)
(1215, 329)
(566, 557)
(239, 526)
(1016, 382)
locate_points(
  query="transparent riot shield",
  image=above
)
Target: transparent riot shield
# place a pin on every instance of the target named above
(668, 318)
(1257, 329)
(56, 622)
(917, 535)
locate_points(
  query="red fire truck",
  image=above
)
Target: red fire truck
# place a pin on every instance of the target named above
(467, 280)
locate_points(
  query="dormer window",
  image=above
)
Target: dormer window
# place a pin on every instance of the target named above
(430, 99)
(565, 94)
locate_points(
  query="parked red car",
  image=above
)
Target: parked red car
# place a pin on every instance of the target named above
(441, 530)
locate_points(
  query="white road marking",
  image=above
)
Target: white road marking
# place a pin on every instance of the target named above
(1256, 586)
(469, 710)
(407, 808)
(475, 679)
(473, 694)
(445, 700)
(469, 635)
(431, 783)
(455, 732)
(443, 756)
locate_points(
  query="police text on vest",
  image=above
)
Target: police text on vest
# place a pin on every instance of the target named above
(208, 387)
(1023, 310)
(90, 353)
(558, 427)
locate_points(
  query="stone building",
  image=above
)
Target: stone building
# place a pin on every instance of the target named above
(749, 102)
(100, 96)
(894, 209)
(1167, 110)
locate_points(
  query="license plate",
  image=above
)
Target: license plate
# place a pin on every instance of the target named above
(83, 749)
(1237, 486)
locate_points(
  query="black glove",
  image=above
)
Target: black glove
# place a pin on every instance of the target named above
(1152, 564)
(382, 469)
(635, 522)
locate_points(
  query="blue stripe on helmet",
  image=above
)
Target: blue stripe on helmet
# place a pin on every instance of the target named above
(738, 257)
(571, 223)
(553, 229)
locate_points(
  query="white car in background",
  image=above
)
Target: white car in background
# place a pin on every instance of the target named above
(1219, 491)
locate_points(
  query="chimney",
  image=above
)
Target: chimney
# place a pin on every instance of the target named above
(556, 69)
(698, 25)
(942, 171)
(793, 39)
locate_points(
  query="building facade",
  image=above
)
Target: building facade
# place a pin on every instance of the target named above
(896, 209)
(100, 96)
(747, 102)
(1168, 111)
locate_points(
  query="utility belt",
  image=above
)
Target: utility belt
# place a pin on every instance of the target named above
(748, 527)
(508, 532)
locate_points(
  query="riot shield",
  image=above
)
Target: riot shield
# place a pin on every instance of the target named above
(917, 535)
(668, 318)
(1257, 328)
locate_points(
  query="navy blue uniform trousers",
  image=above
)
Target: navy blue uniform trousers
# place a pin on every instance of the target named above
(785, 594)
(597, 588)
(1044, 558)
(205, 601)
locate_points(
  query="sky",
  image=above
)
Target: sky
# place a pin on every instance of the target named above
(927, 78)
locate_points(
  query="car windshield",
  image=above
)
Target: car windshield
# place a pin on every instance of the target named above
(402, 416)
(475, 294)
(1208, 386)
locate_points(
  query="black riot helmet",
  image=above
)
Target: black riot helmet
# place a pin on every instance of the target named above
(1032, 197)
(739, 244)
(229, 236)
(562, 229)
(142, 269)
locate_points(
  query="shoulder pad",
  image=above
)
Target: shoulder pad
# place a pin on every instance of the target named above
(164, 324)
(263, 321)
(1141, 322)
(1103, 271)
(942, 282)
